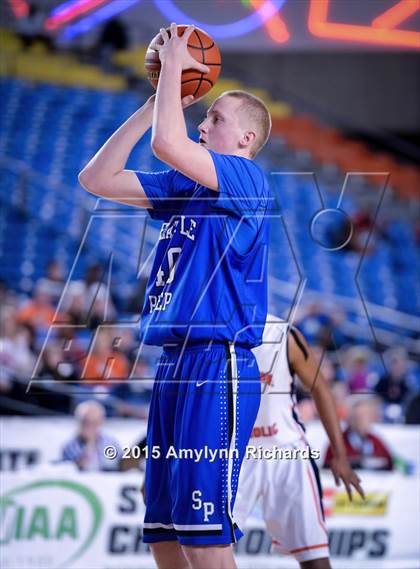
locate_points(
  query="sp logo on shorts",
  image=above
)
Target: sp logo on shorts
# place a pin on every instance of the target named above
(198, 504)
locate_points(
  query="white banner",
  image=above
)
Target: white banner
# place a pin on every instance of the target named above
(30, 441)
(55, 517)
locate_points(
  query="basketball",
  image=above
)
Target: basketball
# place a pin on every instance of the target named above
(205, 50)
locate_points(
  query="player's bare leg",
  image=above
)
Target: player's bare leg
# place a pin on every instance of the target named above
(169, 555)
(210, 557)
(323, 563)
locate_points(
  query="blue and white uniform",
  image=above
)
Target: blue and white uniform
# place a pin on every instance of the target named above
(206, 304)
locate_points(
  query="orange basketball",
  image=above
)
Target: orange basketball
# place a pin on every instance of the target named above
(204, 49)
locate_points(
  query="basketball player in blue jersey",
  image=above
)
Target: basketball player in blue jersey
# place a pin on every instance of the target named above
(290, 490)
(205, 303)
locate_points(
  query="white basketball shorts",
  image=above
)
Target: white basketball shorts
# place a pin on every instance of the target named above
(291, 504)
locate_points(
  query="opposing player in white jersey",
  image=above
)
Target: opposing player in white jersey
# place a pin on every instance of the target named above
(290, 489)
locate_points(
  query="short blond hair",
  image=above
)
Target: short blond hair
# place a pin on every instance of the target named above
(256, 112)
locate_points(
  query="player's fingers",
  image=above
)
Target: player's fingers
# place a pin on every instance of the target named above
(336, 478)
(358, 486)
(156, 42)
(186, 101)
(164, 34)
(173, 29)
(201, 67)
(348, 490)
(188, 31)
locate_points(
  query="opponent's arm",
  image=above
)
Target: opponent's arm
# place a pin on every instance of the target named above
(170, 141)
(304, 363)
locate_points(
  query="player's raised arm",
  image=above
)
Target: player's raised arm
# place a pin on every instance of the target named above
(306, 366)
(105, 175)
(170, 141)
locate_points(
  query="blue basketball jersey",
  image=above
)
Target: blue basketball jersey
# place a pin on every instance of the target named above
(209, 276)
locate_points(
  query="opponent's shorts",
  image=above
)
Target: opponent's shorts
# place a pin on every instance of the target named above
(291, 504)
(204, 404)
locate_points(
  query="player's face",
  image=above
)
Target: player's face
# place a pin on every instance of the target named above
(221, 130)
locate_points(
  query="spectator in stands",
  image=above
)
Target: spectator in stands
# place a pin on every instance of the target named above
(54, 367)
(6, 296)
(53, 282)
(341, 394)
(98, 302)
(321, 325)
(306, 407)
(87, 448)
(74, 303)
(393, 386)
(364, 449)
(105, 362)
(366, 233)
(17, 358)
(412, 415)
(88, 301)
(38, 311)
(356, 371)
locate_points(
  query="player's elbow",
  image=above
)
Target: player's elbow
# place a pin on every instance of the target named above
(162, 147)
(85, 179)
(89, 180)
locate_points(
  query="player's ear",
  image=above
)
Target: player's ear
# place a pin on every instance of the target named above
(247, 139)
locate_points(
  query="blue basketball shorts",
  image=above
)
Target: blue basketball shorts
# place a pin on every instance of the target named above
(204, 404)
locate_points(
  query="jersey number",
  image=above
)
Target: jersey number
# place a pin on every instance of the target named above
(160, 277)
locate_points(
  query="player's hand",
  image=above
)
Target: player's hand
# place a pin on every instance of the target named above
(188, 101)
(174, 48)
(342, 470)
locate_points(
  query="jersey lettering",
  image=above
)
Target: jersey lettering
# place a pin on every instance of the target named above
(160, 277)
(186, 226)
(159, 302)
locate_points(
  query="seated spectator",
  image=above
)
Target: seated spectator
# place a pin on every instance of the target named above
(365, 232)
(54, 367)
(341, 395)
(88, 301)
(74, 303)
(53, 282)
(86, 448)
(7, 296)
(104, 362)
(393, 386)
(37, 312)
(17, 358)
(321, 325)
(364, 449)
(357, 373)
(412, 414)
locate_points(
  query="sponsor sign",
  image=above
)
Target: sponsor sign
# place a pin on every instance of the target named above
(59, 518)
